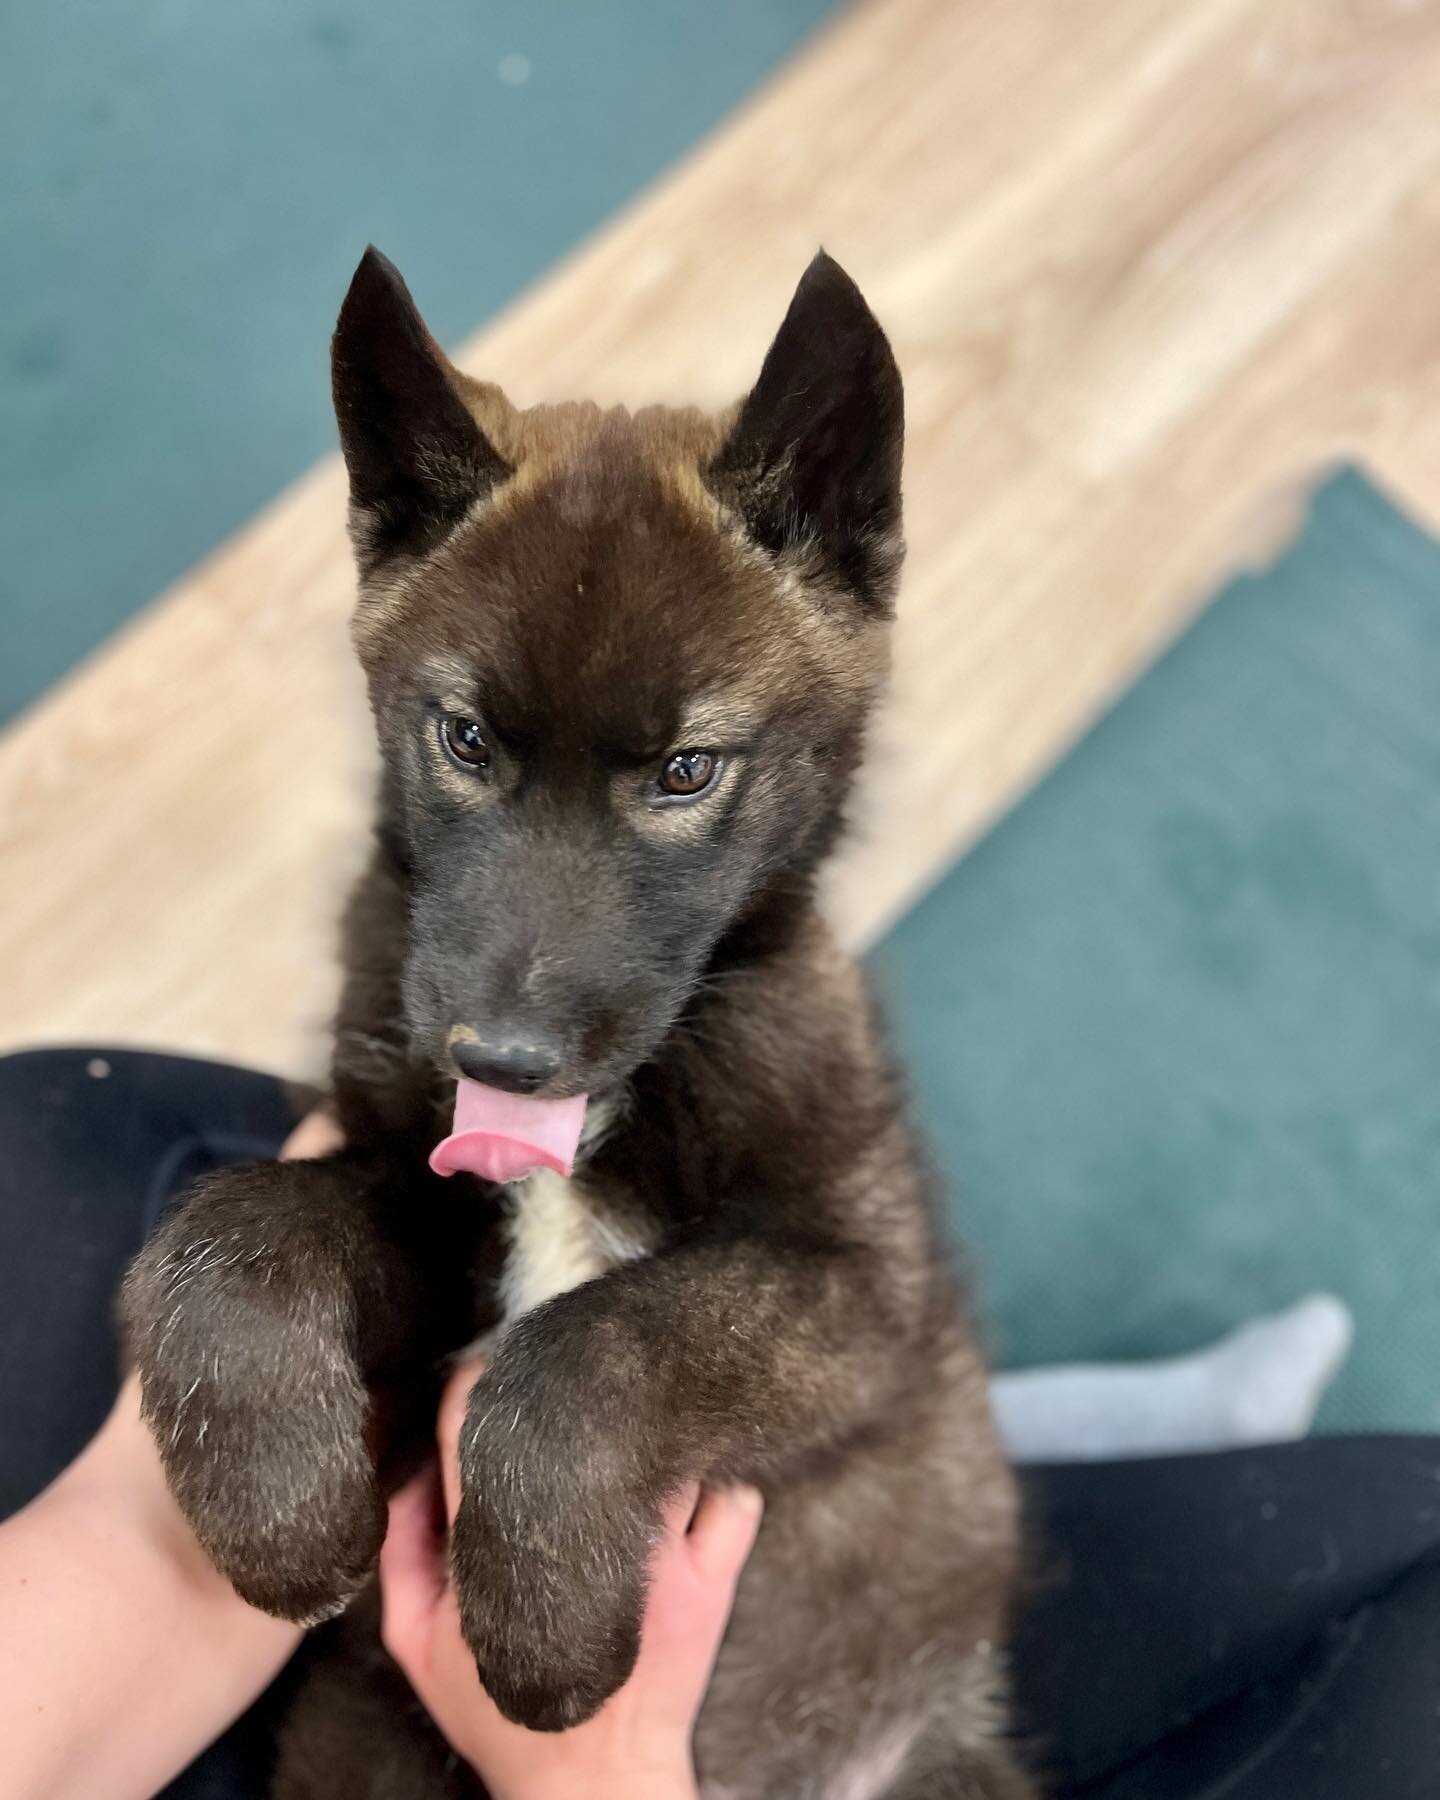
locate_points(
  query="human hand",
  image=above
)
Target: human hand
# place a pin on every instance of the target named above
(638, 1744)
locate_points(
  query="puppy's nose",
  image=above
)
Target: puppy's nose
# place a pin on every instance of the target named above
(519, 1061)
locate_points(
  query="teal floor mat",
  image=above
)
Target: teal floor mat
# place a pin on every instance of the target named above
(184, 190)
(1175, 1024)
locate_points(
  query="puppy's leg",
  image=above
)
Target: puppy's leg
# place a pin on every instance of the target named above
(604, 1400)
(260, 1315)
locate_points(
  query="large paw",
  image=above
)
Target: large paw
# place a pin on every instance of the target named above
(249, 1382)
(549, 1553)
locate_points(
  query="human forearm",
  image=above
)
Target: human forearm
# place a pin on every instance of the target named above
(123, 1653)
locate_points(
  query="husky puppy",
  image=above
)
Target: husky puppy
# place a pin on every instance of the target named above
(621, 667)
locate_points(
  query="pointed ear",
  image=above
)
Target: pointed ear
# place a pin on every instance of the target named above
(416, 457)
(813, 463)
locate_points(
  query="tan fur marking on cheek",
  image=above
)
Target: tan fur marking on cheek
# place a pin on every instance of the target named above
(463, 788)
(683, 824)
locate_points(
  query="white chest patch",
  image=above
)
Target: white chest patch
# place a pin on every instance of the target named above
(557, 1240)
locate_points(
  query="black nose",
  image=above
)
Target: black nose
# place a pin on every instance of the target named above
(517, 1061)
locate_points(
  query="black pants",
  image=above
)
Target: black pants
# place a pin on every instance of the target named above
(1258, 1625)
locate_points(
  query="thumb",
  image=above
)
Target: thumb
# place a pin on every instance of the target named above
(693, 1585)
(412, 1568)
(722, 1532)
(454, 1404)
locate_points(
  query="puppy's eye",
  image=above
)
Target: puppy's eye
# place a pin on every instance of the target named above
(463, 739)
(687, 774)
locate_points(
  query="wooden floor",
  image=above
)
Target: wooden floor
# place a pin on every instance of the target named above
(1148, 267)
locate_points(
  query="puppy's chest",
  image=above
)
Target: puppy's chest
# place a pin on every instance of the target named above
(560, 1234)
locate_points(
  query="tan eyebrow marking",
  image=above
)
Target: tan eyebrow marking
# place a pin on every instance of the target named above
(716, 720)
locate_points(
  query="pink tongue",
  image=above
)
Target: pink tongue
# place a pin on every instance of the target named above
(501, 1137)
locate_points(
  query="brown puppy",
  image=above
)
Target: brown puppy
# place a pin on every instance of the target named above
(621, 668)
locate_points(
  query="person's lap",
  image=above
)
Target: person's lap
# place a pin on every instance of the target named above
(1248, 1623)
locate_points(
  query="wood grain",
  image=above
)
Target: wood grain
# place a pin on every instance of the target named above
(1148, 269)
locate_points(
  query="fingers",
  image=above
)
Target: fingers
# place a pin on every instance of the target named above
(317, 1134)
(692, 1589)
(453, 1404)
(412, 1568)
(722, 1532)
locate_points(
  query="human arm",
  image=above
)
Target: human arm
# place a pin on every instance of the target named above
(123, 1652)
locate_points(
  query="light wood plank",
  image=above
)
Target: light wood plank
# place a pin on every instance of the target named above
(1147, 268)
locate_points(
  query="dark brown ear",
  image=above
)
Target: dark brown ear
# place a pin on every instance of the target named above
(813, 464)
(416, 457)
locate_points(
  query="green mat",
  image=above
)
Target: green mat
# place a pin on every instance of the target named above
(185, 189)
(1175, 1024)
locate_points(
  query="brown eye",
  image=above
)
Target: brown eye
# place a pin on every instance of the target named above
(688, 773)
(463, 739)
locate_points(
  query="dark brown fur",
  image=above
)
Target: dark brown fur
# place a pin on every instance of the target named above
(599, 589)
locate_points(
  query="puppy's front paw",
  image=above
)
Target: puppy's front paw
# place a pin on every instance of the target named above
(549, 1554)
(250, 1385)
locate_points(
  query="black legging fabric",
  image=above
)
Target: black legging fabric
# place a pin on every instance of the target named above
(1257, 1625)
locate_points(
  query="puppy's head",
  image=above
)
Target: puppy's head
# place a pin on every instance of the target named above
(620, 667)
